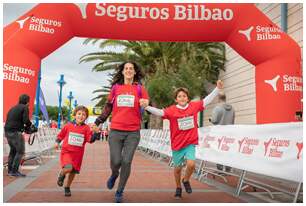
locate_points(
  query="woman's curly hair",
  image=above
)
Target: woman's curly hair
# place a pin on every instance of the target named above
(118, 77)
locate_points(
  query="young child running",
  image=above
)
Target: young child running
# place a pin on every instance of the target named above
(74, 136)
(183, 131)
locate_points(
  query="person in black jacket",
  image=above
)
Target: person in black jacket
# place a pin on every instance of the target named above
(16, 122)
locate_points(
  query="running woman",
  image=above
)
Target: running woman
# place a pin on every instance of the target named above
(124, 136)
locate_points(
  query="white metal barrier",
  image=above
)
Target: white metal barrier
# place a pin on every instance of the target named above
(43, 142)
(274, 150)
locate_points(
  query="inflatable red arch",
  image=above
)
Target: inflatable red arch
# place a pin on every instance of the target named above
(246, 29)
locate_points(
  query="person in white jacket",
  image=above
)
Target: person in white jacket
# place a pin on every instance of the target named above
(183, 131)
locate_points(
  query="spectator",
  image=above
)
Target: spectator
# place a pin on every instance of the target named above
(223, 114)
(17, 121)
(105, 134)
(53, 124)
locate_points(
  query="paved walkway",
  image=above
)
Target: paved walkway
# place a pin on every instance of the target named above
(150, 181)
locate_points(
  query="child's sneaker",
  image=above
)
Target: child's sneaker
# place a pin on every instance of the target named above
(178, 193)
(60, 180)
(187, 186)
(67, 192)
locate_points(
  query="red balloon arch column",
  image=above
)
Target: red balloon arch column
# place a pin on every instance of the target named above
(46, 27)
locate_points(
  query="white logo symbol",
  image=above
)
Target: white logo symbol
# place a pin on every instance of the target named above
(21, 22)
(273, 82)
(82, 8)
(247, 33)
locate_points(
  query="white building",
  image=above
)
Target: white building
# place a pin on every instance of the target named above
(239, 75)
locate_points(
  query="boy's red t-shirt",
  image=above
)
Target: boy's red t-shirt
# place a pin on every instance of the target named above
(75, 137)
(126, 114)
(183, 124)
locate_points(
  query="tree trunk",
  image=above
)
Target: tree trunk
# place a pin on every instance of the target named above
(155, 122)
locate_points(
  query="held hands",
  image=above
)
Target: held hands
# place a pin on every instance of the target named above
(144, 103)
(95, 128)
(220, 84)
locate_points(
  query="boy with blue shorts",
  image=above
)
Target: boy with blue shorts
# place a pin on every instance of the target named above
(183, 131)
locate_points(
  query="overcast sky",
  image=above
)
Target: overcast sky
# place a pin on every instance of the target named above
(65, 60)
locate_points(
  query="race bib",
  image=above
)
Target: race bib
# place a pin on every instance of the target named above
(125, 100)
(76, 139)
(185, 123)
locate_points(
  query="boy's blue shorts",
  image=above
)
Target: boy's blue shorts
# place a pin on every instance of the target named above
(179, 156)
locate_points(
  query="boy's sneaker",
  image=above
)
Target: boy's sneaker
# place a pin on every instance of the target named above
(187, 186)
(67, 192)
(178, 193)
(119, 196)
(16, 174)
(60, 180)
(111, 182)
(11, 173)
(20, 174)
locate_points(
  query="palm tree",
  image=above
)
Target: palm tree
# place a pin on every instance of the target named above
(166, 65)
(104, 92)
(150, 55)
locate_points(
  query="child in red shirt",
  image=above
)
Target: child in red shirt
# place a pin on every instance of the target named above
(74, 136)
(183, 131)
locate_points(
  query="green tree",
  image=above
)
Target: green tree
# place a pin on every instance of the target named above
(53, 112)
(167, 65)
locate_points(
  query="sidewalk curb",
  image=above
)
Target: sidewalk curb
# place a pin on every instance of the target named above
(20, 184)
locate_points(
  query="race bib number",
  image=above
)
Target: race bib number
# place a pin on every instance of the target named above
(76, 139)
(185, 123)
(125, 101)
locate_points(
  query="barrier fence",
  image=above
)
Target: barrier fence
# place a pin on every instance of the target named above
(43, 143)
(274, 150)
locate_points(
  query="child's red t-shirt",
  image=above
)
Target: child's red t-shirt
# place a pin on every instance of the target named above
(183, 124)
(75, 137)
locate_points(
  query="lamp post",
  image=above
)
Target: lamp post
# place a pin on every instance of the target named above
(70, 97)
(75, 103)
(61, 83)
